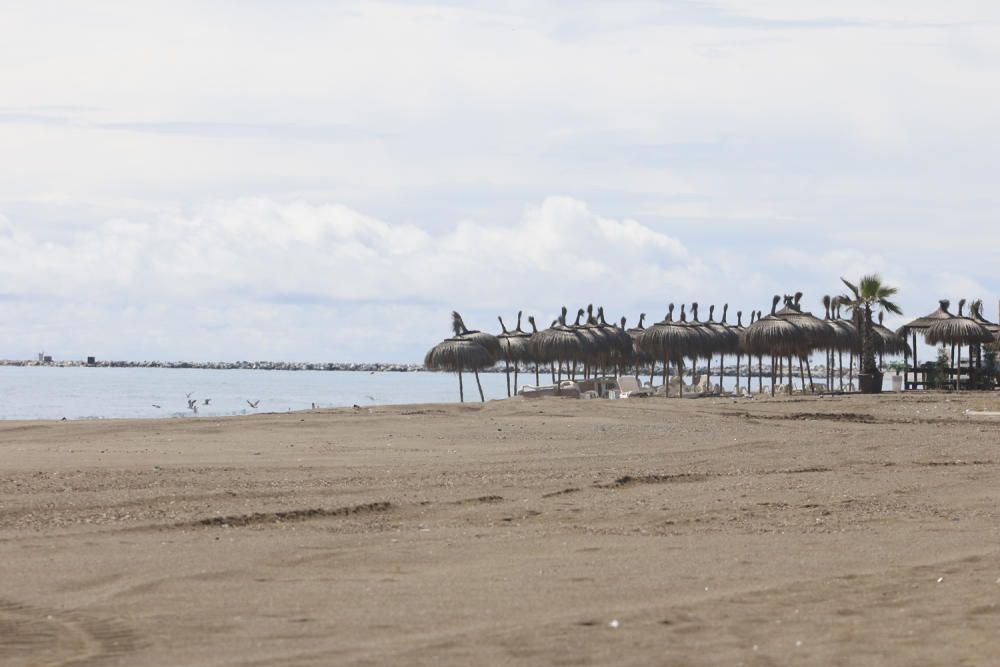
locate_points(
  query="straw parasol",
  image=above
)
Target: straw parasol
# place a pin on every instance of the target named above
(708, 339)
(668, 341)
(958, 331)
(514, 349)
(639, 356)
(724, 340)
(910, 329)
(816, 333)
(843, 337)
(888, 341)
(487, 340)
(559, 343)
(774, 335)
(458, 354)
(737, 330)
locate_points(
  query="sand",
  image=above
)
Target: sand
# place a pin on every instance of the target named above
(814, 531)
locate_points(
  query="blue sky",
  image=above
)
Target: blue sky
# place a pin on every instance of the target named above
(326, 181)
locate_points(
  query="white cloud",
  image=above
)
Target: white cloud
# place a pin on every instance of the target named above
(267, 257)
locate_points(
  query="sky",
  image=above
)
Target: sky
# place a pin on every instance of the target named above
(327, 181)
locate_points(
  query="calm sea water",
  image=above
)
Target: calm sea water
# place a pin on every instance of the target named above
(40, 392)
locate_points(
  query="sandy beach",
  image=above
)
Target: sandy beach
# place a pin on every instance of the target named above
(860, 530)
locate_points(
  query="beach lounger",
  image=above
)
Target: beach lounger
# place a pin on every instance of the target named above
(629, 387)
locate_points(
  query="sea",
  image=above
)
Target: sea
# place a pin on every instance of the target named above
(82, 392)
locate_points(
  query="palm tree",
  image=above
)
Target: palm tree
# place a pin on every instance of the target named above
(870, 294)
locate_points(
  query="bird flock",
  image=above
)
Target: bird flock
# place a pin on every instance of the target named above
(589, 346)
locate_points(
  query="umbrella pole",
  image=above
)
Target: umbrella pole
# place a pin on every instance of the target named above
(461, 391)
(722, 373)
(790, 376)
(538, 380)
(515, 378)
(840, 368)
(773, 378)
(809, 370)
(956, 362)
(507, 371)
(680, 376)
(850, 369)
(482, 398)
(760, 374)
(738, 360)
(802, 377)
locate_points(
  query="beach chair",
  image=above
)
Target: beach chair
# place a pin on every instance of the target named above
(629, 387)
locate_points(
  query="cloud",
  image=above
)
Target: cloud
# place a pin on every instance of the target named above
(265, 256)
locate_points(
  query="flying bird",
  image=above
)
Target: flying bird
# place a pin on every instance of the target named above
(253, 404)
(208, 401)
(156, 406)
(193, 404)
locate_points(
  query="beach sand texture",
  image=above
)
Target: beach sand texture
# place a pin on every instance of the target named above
(858, 530)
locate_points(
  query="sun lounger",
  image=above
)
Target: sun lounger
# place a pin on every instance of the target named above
(629, 387)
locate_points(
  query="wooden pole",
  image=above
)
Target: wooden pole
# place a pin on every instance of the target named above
(482, 398)
(773, 379)
(461, 391)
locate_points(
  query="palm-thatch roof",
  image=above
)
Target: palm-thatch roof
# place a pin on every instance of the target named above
(957, 330)
(774, 335)
(515, 346)
(927, 320)
(559, 342)
(816, 334)
(843, 334)
(487, 340)
(668, 339)
(888, 341)
(725, 339)
(976, 313)
(457, 355)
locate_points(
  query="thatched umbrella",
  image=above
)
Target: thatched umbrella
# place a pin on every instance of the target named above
(817, 334)
(515, 347)
(852, 330)
(910, 329)
(887, 341)
(958, 331)
(774, 335)
(976, 313)
(487, 340)
(619, 342)
(639, 356)
(668, 341)
(559, 344)
(458, 354)
(708, 339)
(843, 336)
(531, 349)
(737, 331)
(723, 340)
